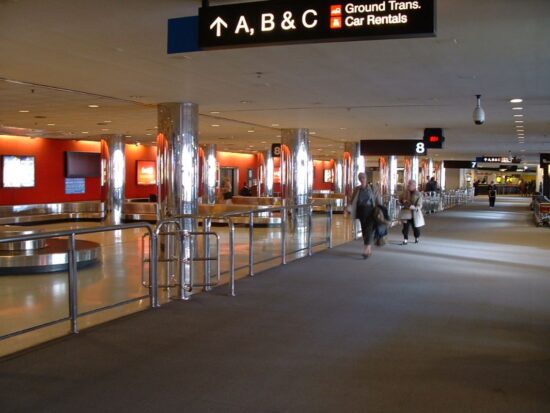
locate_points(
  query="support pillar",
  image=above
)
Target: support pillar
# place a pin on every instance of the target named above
(113, 147)
(297, 168)
(209, 174)
(339, 176)
(269, 174)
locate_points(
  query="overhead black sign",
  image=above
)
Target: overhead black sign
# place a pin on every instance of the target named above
(460, 164)
(393, 147)
(276, 150)
(433, 138)
(282, 22)
(544, 160)
(497, 159)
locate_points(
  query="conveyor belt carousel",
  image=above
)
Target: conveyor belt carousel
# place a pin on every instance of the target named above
(42, 255)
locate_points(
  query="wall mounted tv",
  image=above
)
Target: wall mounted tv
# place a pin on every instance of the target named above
(82, 164)
(17, 171)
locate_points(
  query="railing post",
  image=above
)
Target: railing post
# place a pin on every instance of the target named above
(251, 244)
(206, 244)
(309, 230)
(329, 225)
(232, 257)
(153, 271)
(284, 213)
(182, 261)
(73, 285)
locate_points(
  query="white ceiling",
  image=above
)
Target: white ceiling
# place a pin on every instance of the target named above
(114, 52)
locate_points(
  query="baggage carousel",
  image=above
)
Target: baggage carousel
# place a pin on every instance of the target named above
(42, 255)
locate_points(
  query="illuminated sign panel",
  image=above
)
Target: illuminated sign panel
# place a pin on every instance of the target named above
(146, 172)
(283, 22)
(433, 138)
(393, 147)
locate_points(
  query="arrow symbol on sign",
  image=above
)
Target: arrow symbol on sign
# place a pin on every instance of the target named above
(218, 23)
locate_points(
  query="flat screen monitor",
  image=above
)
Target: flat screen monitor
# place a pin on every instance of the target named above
(17, 171)
(146, 172)
(82, 164)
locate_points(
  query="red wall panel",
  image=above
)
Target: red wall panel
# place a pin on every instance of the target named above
(49, 170)
(318, 182)
(136, 153)
(242, 161)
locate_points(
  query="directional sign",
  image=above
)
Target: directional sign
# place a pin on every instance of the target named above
(284, 21)
(393, 147)
(460, 164)
(497, 159)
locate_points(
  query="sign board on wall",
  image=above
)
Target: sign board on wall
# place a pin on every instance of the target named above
(75, 186)
(460, 164)
(283, 22)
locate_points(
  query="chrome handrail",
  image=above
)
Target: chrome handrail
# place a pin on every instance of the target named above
(72, 271)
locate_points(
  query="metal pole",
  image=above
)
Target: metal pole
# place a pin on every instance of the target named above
(283, 234)
(232, 256)
(182, 261)
(153, 268)
(251, 244)
(207, 277)
(310, 230)
(329, 225)
(73, 285)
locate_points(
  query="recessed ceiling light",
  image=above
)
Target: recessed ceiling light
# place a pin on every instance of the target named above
(517, 108)
(278, 136)
(519, 121)
(84, 132)
(313, 133)
(127, 136)
(214, 113)
(104, 130)
(251, 131)
(518, 116)
(24, 111)
(107, 121)
(148, 134)
(245, 102)
(516, 100)
(51, 124)
(93, 106)
(215, 126)
(264, 142)
(274, 125)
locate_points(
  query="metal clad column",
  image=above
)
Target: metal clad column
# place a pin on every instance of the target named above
(116, 177)
(179, 160)
(297, 140)
(210, 173)
(358, 161)
(384, 175)
(269, 176)
(339, 177)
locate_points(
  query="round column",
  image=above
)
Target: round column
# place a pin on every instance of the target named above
(298, 189)
(177, 152)
(339, 176)
(115, 170)
(209, 174)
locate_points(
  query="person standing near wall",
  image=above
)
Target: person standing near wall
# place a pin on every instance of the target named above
(411, 212)
(492, 194)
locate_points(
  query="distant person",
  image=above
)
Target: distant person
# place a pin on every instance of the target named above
(492, 194)
(226, 191)
(411, 212)
(476, 185)
(245, 191)
(364, 199)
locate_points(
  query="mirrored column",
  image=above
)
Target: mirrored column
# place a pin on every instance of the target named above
(115, 170)
(298, 170)
(209, 173)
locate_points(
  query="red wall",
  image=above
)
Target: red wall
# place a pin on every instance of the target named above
(319, 173)
(242, 161)
(133, 154)
(49, 170)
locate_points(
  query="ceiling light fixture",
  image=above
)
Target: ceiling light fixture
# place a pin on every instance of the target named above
(519, 121)
(51, 124)
(93, 106)
(518, 116)
(517, 108)
(516, 100)
(215, 126)
(24, 111)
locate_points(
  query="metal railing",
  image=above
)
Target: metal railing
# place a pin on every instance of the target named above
(73, 270)
(303, 211)
(541, 210)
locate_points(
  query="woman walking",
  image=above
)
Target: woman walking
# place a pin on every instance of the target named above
(411, 211)
(363, 201)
